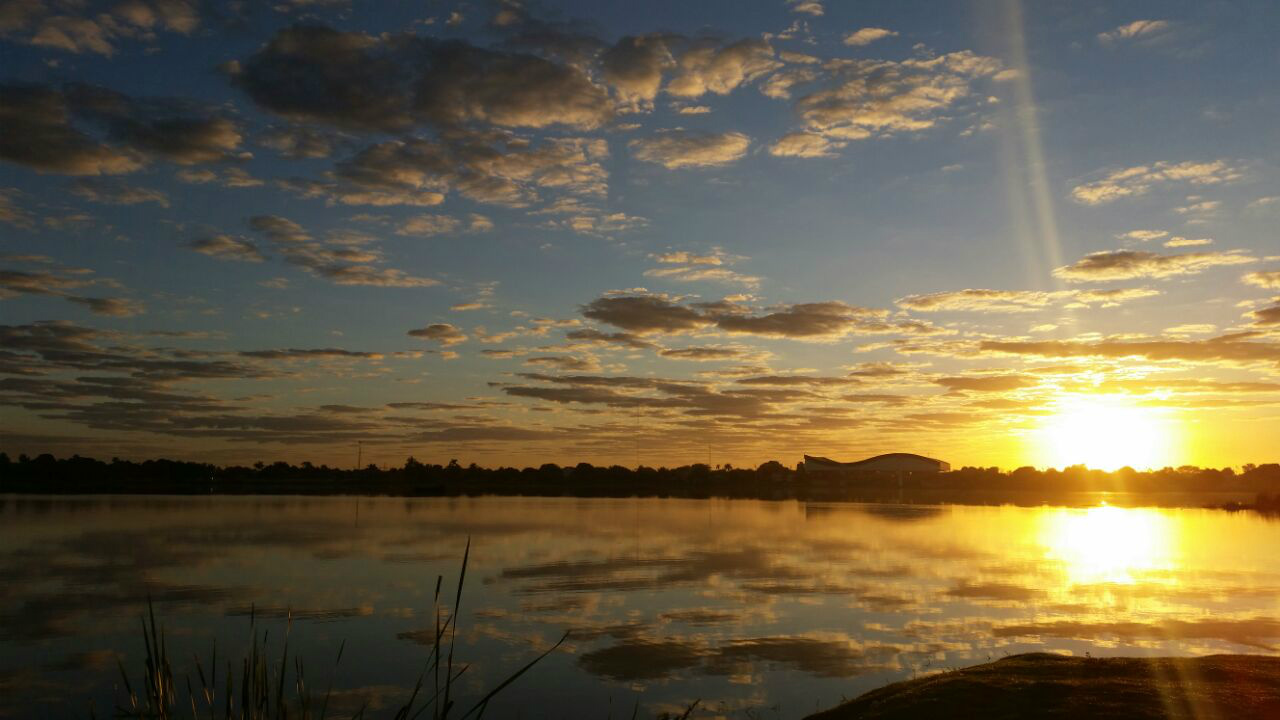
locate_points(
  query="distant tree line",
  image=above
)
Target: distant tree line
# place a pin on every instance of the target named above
(76, 474)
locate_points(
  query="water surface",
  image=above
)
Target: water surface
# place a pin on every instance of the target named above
(758, 609)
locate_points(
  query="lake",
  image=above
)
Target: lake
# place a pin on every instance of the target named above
(757, 609)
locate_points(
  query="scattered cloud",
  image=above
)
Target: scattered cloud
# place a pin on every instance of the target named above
(804, 145)
(114, 192)
(81, 28)
(808, 7)
(110, 307)
(986, 383)
(867, 35)
(978, 300)
(424, 225)
(1269, 279)
(707, 67)
(1136, 30)
(877, 98)
(565, 363)
(1016, 301)
(343, 259)
(676, 149)
(1143, 235)
(1138, 180)
(226, 247)
(230, 177)
(1196, 351)
(1177, 242)
(61, 283)
(1126, 264)
(687, 267)
(443, 333)
(11, 212)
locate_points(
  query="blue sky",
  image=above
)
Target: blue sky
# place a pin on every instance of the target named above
(524, 233)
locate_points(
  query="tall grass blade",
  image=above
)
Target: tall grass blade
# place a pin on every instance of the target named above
(485, 700)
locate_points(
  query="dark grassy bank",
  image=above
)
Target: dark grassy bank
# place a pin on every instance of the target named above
(1041, 685)
(1253, 487)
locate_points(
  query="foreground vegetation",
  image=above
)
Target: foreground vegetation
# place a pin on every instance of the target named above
(256, 688)
(1041, 685)
(46, 474)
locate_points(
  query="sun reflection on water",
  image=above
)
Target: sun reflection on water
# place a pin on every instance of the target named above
(1108, 544)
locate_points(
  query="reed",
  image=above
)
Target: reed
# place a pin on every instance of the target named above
(256, 688)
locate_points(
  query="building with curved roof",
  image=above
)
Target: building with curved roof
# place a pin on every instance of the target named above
(889, 462)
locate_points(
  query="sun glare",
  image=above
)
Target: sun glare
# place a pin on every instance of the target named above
(1106, 433)
(1108, 544)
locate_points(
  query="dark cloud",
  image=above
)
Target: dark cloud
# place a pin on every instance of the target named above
(567, 363)
(344, 258)
(318, 74)
(650, 659)
(996, 591)
(654, 313)
(817, 656)
(110, 307)
(634, 67)
(492, 168)
(308, 354)
(225, 247)
(986, 383)
(705, 353)
(801, 380)
(11, 211)
(113, 192)
(176, 130)
(642, 659)
(701, 616)
(818, 321)
(301, 142)
(48, 130)
(644, 314)
(40, 282)
(1266, 316)
(495, 432)
(443, 333)
(1125, 264)
(36, 131)
(596, 337)
(43, 282)
(95, 27)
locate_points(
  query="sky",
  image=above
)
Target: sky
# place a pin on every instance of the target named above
(995, 233)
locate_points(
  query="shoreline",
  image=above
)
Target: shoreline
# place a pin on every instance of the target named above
(1045, 685)
(1224, 500)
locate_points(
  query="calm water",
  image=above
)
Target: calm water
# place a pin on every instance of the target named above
(759, 609)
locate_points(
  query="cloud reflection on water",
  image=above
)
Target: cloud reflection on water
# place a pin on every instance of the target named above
(672, 598)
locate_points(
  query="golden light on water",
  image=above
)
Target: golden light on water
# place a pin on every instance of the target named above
(1109, 544)
(1107, 433)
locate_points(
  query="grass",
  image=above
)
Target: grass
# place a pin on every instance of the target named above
(255, 688)
(1042, 685)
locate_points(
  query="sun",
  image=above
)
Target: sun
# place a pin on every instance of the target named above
(1107, 433)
